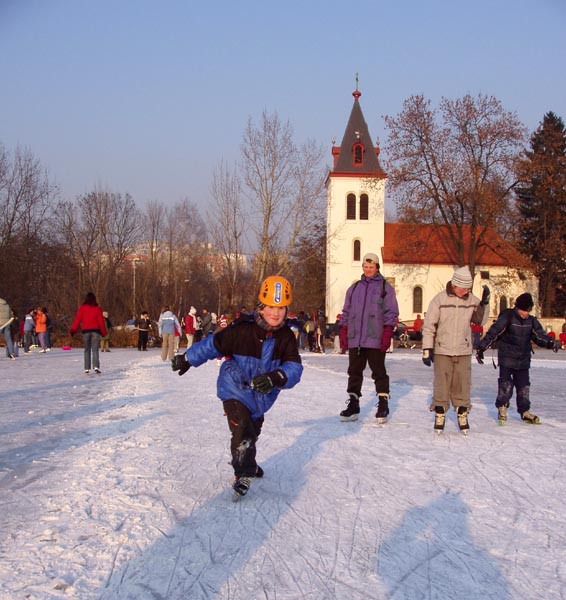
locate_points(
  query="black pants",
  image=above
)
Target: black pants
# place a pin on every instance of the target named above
(518, 379)
(245, 432)
(142, 339)
(358, 359)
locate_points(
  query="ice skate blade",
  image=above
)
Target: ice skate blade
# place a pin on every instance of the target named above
(351, 418)
(381, 420)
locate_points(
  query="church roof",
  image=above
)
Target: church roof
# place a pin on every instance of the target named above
(413, 243)
(357, 132)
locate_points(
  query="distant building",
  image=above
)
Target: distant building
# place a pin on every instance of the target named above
(413, 257)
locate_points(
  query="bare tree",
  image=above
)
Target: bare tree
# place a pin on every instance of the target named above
(268, 159)
(27, 198)
(284, 184)
(453, 167)
(226, 224)
(100, 229)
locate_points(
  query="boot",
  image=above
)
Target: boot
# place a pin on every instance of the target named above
(382, 408)
(351, 412)
(463, 419)
(528, 417)
(439, 418)
(241, 486)
(502, 414)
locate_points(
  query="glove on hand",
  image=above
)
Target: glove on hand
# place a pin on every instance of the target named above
(555, 346)
(267, 381)
(386, 338)
(428, 356)
(479, 356)
(180, 363)
(485, 296)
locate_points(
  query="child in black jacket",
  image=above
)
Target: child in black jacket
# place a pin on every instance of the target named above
(513, 332)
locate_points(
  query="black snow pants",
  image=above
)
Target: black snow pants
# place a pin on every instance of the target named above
(245, 432)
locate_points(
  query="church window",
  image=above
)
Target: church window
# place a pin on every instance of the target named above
(484, 274)
(358, 155)
(418, 299)
(357, 250)
(364, 207)
(502, 303)
(351, 207)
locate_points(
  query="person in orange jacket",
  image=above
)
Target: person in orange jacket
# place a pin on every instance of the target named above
(89, 318)
(41, 328)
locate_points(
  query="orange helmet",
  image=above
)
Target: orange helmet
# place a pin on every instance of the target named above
(275, 291)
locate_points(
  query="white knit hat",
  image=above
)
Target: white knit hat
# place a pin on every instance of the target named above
(462, 278)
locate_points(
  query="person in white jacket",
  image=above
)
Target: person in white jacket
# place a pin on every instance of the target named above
(447, 342)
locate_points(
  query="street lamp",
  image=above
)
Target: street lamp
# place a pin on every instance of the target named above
(135, 261)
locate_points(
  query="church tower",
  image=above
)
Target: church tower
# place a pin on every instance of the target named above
(355, 190)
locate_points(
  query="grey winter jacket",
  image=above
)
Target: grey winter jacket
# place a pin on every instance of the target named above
(167, 323)
(5, 313)
(370, 305)
(447, 324)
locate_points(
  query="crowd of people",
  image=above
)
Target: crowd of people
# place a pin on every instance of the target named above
(258, 351)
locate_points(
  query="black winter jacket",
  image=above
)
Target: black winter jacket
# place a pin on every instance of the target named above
(514, 335)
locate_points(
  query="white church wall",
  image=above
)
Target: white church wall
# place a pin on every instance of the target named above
(341, 269)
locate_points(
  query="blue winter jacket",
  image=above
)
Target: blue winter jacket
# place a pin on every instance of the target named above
(513, 335)
(250, 351)
(370, 305)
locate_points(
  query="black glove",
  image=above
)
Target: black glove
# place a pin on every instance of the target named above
(554, 345)
(267, 381)
(479, 356)
(428, 356)
(180, 363)
(485, 296)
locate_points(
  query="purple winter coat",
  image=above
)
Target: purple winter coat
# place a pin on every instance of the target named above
(367, 310)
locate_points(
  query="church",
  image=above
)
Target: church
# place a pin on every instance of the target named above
(412, 256)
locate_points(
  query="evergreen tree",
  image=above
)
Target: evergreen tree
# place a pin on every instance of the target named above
(542, 207)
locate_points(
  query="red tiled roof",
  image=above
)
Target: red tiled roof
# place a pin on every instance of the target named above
(425, 244)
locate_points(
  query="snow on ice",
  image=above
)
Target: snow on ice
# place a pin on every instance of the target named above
(118, 486)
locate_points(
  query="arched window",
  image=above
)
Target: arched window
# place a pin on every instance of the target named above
(502, 303)
(358, 155)
(357, 250)
(364, 207)
(418, 299)
(351, 207)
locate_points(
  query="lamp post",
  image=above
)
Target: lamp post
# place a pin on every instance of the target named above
(135, 261)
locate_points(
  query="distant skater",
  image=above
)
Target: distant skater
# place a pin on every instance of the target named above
(89, 318)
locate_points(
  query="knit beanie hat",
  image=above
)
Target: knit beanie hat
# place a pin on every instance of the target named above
(524, 302)
(462, 278)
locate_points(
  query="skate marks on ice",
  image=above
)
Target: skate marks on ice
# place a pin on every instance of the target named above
(205, 555)
(431, 554)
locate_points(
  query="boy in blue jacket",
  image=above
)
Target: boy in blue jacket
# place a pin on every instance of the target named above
(262, 357)
(514, 331)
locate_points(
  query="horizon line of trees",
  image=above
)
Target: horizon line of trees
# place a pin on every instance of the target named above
(463, 164)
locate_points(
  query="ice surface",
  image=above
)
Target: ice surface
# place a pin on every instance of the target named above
(118, 487)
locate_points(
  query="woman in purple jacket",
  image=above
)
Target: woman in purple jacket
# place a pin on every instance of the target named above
(370, 313)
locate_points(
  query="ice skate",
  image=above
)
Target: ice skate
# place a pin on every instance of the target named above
(351, 412)
(439, 419)
(528, 417)
(241, 487)
(463, 420)
(502, 414)
(382, 408)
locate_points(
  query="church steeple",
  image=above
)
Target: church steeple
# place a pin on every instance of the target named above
(357, 154)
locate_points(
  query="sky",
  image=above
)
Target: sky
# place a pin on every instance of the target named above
(118, 487)
(146, 98)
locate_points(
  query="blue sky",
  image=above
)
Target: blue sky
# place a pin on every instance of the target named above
(146, 97)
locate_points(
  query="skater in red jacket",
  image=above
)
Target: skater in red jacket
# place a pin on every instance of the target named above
(89, 318)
